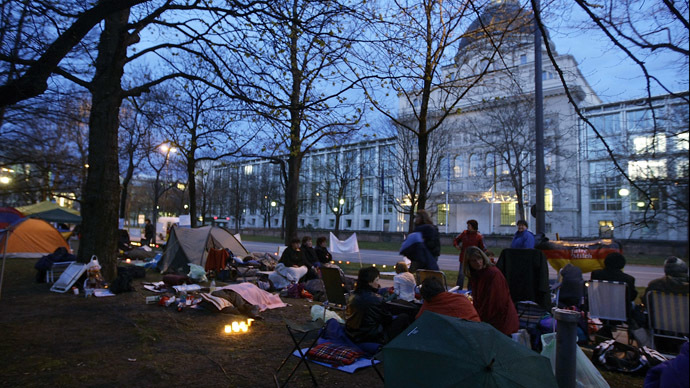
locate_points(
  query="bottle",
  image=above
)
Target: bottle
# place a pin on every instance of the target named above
(213, 286)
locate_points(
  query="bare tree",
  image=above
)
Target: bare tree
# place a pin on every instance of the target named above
(420, 37)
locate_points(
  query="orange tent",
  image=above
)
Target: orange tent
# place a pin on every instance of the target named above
(32, 238)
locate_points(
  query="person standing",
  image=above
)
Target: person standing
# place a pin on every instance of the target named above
(468, 238)
(149, 232)
(523, 238)
(429, 231)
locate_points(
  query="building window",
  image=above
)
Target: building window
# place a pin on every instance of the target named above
(609, 128)
(647, 169)
(508, 213)
(640, 200)
(442, 214)
(523, 59)
(548, 200)
(457, 168)
(331, 223)
(604, 186)
(640, 120)
(348, 224)
(606, 228)
(248, 169)
(474, 165)
(365, 224)
(649, 144)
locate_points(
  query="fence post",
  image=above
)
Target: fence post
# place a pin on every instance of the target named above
(566, 347)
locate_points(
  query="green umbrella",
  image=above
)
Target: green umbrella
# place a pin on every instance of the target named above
(442, 351)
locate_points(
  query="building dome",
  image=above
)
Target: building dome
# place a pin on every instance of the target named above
(499, 17)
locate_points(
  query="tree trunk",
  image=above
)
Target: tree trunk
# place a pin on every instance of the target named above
(191, 185)
(292, 198)
(99, 226)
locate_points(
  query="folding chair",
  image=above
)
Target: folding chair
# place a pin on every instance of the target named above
(607, 300)
(335, 290)
(57, 269)
(668, 315)
(299, 332)
(69, 277)
(422, 274)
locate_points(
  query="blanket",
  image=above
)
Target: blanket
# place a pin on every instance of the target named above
(256, 296)
(361, 362)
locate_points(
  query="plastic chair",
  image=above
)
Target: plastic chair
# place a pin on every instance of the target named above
(422, 274)
(607, 300)
(668, 315)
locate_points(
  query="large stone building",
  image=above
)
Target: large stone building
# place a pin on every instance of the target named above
(488, 158)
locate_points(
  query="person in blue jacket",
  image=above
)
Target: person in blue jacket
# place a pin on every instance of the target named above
(523, 238)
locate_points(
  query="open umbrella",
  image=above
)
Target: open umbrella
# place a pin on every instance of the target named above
(442, 351)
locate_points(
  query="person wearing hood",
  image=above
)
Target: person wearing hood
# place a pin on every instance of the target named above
(613, 266)
(675, 279)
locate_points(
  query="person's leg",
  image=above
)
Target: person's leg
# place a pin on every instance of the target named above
(461, 277)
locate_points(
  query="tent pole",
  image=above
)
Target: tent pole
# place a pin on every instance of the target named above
(4, 257)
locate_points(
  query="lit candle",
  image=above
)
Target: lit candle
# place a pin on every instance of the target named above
(228, 329)
(340, 261)
(235, 327)
(243, 327)
(347, 262)
(249, 321)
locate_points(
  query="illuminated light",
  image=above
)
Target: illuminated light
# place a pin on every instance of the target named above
(373, 265)
(384, 266)
(235, 327)
(227, 218)
(340, 261)
(4, 180)
(215, 217)
(623, 192)
(640, 204)
(332, 261)
(273, 203)
(249, 321)
(128, 261)
(244, 327)
(86, 165)
(228, 329)
(347, 262)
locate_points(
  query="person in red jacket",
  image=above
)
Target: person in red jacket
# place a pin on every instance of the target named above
(490, 292)
(468, 238)
(438, 300)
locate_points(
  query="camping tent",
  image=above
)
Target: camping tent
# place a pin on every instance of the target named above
(51, 212)
(187, 245)
(8, 216)
(32, 238)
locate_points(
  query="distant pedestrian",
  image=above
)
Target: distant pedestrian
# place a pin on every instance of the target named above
(149, 232)
(523, 238)
(468, 238)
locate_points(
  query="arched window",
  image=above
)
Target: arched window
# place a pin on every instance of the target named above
(457, 167)
(489, 164)
(474, 165)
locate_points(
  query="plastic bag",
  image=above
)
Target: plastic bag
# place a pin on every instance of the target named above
(586, 374)
(618, 357)
(317, 313)
(197, 273)
(93, 264)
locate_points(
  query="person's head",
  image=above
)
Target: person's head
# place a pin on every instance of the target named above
(472, 225)
(522, 225)
(422, 217)
(367, 276)
(147, 221)
(676, 268)
(475, 259)
(295, 242)
(306, 241)
(321, 241)
(400, 267)
(431, 287)
(614, 260)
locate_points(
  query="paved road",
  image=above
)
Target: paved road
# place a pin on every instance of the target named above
(643, 274)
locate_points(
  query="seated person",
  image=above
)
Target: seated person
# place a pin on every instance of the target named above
(322, 253)
(438, 300)
(366, 318)
(613, 265)
(572, 286)
(309, 252)
(490, 292)
(403, 283)
(675, 279)
(291, 266)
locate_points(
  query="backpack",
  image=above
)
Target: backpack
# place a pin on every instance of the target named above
(618, 357)
(122, 283)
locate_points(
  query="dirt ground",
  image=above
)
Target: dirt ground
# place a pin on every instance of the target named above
(67, 340)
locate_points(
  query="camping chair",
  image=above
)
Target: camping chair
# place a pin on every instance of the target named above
(668, 315)
(607, 300)
(300, 332)
(336, 296)
(57, 269)
(69, 277)
(422, 274)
